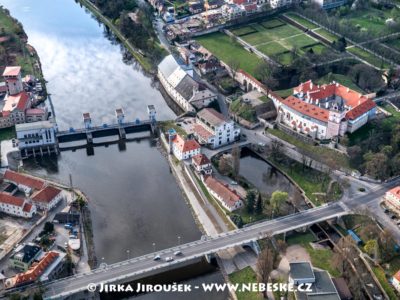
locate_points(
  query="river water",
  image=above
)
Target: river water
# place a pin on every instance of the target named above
(134, 199)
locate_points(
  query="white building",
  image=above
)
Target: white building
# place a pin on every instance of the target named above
(202, 164)
(47, 198)
(184, 149)
(392, 198)
(329, 4)
(396, 281)
(279, 3)
(37, 136)
(25, 183)
(181, 87)
(324, 112)
(15, 206)
(228, 198)
(213, 129)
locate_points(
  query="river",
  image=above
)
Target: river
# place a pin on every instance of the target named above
(134, 199)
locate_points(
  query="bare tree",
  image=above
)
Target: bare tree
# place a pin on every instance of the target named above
(235, 161)
(265, 265)
(276, 150)
(234, 66)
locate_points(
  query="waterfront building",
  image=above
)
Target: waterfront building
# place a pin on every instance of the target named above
(184, 148)
(36, 138)
(213, 129)
(181, 87)
(36, 114)
(25, 183)
(16, 206)
(228, 198)
(49, 266)
(24, 256)
(202, 164)
(392, 199)
(324, 111)
(47, 198)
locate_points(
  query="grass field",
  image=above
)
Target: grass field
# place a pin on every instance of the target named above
(285, 93)
(301, 21)
(372, 59)
(371, 19)
(246, 275)
(394, 43)
(326, 34)
(226, 50)
(342, 79)
(276, 39)
(7, 133)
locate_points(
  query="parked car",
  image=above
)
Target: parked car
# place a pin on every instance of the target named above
(169, 259)
(233, 182)
(177, 253)
(157, 257)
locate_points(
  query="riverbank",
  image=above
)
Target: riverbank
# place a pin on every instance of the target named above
(144, 62)
(15, 50)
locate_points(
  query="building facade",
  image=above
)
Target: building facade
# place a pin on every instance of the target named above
(36, 138)
(202, 164)
(214, 129)
(24, 256)
(47, 198)
(324, 112)
(183, 148)
(392, 199)
(181, 87)
(228, 198)
(16, 206)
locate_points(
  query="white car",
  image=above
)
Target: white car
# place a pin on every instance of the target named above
(177, 253)
(169, 259)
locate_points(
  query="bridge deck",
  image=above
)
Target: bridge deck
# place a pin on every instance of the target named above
(127, 270)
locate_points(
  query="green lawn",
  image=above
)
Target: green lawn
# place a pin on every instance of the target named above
(394, 43)
(285, 93)
(272, 48)
(272, 23)
(265, 35)
(326, 34)
(321, 258)
(301, 21)
(226, 50)
(246, 275)
(370, 19)
(372, 59)
(318, 152)
(380, 274)
(299, 41)
(317, 48)
(7, 133)
(342, 79)
(243, 30)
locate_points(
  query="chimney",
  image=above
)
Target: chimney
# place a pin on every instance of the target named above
(311, 85)
(348, 90)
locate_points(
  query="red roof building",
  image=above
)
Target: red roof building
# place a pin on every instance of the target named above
(23, 180)
(183, 148)
(392, 198)
(227, 197)
(202, 164)
(47, 198)
(16, 206)
(13, 71)
(36, 270)
(330, 110)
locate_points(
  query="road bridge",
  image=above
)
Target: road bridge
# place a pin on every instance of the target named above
(139, 267)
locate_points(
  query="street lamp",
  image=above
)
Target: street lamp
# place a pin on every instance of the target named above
(179, 240)
(127, 253)
(154, 247)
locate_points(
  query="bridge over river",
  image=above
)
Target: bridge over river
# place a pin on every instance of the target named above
(145, 265)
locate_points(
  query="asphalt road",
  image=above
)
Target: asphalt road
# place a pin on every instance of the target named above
(137, 266)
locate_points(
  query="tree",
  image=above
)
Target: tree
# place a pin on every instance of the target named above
(371, 248)
(376, 165)
(224, 166)
(276, 150)
(259, 204)
(48, 227)
(387, 245)
(277, 199)
(265, 264)
(237, 220)
(234, 66)
(235, 161)
(250, 199)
